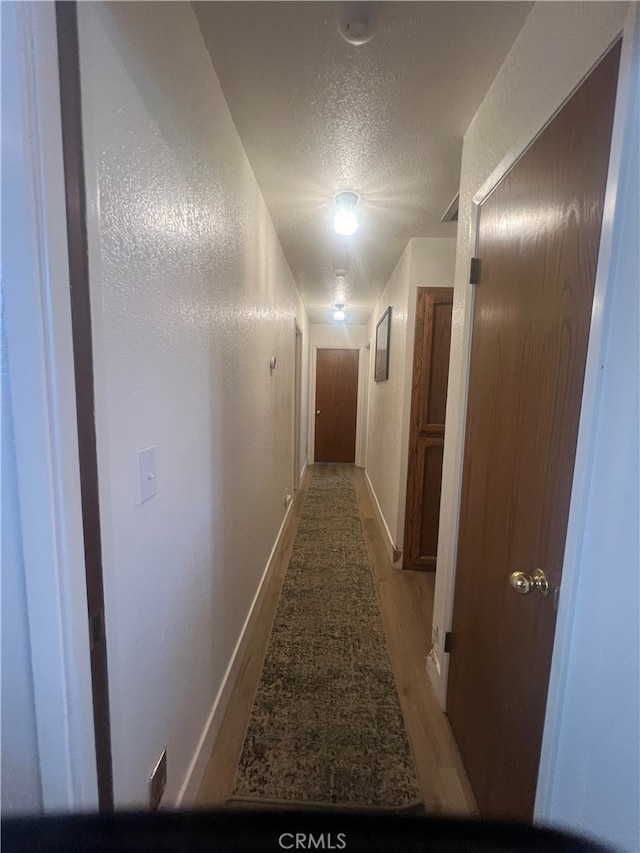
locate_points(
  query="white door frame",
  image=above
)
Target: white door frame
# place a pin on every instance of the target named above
(38, 328)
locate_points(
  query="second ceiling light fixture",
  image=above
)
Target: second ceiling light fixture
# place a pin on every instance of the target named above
(338, 314)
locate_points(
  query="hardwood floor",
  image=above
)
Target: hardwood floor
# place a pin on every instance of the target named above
(406, 604)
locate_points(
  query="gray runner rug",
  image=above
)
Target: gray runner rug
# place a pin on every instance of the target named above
(326, 725)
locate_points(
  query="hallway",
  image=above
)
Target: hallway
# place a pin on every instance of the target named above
(406, 602)
(175, 175)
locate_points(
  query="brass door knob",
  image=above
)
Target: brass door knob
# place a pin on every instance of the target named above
(524, 584)
(317, 411)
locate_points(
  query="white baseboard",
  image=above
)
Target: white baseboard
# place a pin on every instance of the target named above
(384, 529)
(189, 790)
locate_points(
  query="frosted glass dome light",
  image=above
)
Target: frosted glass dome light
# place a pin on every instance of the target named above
(338, 314)
(345, 222)
(345, 218)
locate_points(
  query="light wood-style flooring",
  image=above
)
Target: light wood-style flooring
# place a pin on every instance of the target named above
(406, 604)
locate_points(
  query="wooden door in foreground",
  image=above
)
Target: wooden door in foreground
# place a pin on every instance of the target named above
(539, 235)
(426, 436)
(336, 405)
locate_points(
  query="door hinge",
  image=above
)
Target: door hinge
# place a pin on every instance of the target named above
(96, 628)
(474, 272)
(447, 641)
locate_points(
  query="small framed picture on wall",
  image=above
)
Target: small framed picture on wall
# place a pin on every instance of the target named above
(383, 333)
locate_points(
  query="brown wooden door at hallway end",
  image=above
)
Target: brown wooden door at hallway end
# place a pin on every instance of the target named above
(426, 436)
(538, 242)
(336, 405)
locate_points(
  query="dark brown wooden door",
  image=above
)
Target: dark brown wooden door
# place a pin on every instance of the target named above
(336, 405)
(539, 235)
(426, 437)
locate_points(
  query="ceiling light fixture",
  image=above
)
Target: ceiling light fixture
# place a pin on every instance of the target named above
(345, 218)
(338, 314)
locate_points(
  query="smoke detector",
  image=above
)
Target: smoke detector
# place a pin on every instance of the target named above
(356, 23)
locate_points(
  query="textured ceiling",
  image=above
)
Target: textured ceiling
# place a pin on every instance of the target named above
(318, 115)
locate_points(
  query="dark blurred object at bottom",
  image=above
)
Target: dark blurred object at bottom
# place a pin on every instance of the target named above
(241, 830)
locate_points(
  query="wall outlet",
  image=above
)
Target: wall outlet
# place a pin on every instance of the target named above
(158, 782)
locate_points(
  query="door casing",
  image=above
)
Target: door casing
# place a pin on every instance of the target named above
(81, 330)
(425, 436)
(41, 369)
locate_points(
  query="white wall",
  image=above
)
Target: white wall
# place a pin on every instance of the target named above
(191, 296)
(386, 400)
(426, 262)
(556, 48)
(21, 785)
(325, 336)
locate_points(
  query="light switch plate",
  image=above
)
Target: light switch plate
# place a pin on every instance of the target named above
(147, 474)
